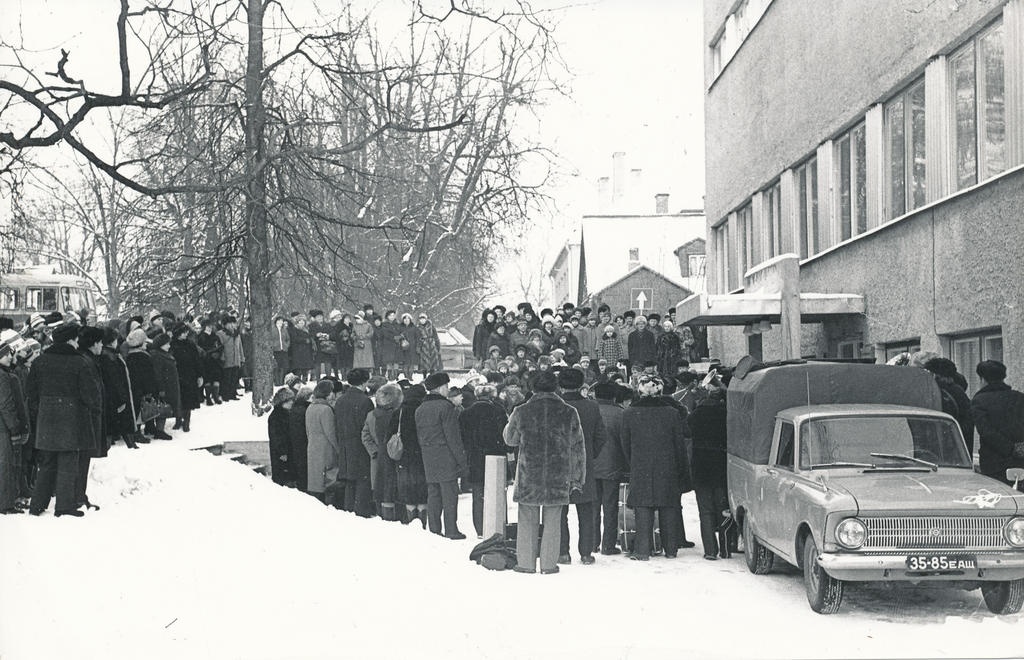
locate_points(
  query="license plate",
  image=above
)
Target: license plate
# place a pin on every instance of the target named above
(940, 563)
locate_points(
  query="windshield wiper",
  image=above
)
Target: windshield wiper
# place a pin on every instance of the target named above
(920, 461)
(843, 464)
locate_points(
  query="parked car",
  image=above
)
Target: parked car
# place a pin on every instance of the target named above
(851, 472)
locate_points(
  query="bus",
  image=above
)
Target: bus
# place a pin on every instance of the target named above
(39, 289)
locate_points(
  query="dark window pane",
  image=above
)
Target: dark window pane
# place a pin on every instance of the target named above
(845, 207)
(917, 146)
(802, 203)
(994, 108)
(965, 125)
(861, 182)
(894, 120)
(813, 167)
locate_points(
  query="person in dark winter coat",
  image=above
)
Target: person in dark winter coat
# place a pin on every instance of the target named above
(998, 412)
(190, 375)
(300, 349)
(954, 399)
(350, 411)
(118, 404)
(570, 382)
(551, 465)
(669, 349)
(322, 449)
(707, 425)
(444, 455)
(65, 390)
(389, 337)
(346, 343)
(14, 427)
(211, 349)
(429, 347)
(408, 345)
(642, 346)
(654, 446)
(482, 334)
(143, 379)
(482, 425)
(412, 483)
(278, 429)
(499, 337)
(388, 400)
(609, 469)
(298, 440)
(166, 368)
(90, 345)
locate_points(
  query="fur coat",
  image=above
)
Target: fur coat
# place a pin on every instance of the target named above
(552, 451)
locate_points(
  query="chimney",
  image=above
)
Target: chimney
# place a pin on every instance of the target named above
(618, 177)
(604, 193)
(661, 203)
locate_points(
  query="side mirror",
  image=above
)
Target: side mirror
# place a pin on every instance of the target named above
(1015, 475)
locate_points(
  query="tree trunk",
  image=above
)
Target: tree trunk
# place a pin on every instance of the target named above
(256, 252)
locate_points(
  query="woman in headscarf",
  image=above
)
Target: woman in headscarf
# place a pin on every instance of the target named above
(411, 479)
(388, 400)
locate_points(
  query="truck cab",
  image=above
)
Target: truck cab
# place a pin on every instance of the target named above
(866, 480)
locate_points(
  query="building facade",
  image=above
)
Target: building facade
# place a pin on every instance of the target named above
(882, 144)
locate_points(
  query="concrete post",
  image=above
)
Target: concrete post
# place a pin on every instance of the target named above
(495, 501)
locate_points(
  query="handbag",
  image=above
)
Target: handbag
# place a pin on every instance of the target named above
(153, 408)
(404, 344)
(395, 448)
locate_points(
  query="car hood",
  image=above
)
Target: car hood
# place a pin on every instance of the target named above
(946, 492)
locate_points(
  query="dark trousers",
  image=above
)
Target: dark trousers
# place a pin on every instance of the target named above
(229, 383)
(711, 501)
(478, 507)
(587, 538)
(58, 474)
(669, 526)
(84, 459)
(443, 498)
(526, 536)
(358, 497)
(281, 367)
(607, 506)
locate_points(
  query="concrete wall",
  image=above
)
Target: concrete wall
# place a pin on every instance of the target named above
(954, 268)
(618, 296)
(806, 72)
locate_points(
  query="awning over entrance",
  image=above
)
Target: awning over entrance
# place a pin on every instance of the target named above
(744, 308)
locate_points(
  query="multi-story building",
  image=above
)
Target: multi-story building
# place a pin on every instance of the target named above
(880, 146)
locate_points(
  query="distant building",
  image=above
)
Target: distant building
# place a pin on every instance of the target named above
(864, 172)
(618, 249)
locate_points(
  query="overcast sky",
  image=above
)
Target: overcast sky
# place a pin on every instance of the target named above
(636, 81)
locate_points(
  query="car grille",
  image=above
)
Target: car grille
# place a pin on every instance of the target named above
(924, 532)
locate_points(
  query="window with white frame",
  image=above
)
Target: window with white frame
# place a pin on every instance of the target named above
(745, 219)
(851, 182)
(734, 32)
(807, 207)
(968, 350)
(773, 220)
(721, 242)
(905, 151)
(977, 87)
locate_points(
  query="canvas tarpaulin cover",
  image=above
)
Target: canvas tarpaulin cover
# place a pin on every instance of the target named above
(755, 400)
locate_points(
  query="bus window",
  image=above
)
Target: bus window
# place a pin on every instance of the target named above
(8, 298)
(73, 299)
(41, 299)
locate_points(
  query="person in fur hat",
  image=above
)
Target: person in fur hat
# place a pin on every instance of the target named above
(444, 455)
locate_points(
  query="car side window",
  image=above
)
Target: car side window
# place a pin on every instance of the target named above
(784, 457)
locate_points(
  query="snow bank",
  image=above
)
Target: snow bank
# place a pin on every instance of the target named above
(196, 556)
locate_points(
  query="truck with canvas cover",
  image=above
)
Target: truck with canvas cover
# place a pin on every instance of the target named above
(852, 472)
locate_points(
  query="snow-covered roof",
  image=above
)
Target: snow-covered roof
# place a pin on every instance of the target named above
(452, 337)
(608, 239)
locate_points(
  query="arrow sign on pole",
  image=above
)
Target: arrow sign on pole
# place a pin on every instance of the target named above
(641, 299)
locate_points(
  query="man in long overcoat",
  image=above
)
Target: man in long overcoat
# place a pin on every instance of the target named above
(444, 455)
(350, 411)
(65, 388)
(552, 464)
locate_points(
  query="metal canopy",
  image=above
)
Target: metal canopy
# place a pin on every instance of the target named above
(744, 308)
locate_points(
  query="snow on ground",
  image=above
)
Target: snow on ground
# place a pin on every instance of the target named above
(195, 556)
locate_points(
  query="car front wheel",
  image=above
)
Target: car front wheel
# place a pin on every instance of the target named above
(759, 558)
(1003, 597)
(824, 592)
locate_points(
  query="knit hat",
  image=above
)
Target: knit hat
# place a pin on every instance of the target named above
(64, 332)
(436, 380)
(136, 338)
(609, 328)
(491, 349)
(153, 313)
(161, 339)
(36, 321)
(53, 319)
(336, 315)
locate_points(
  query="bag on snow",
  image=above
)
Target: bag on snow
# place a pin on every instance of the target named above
(495, 553)
(153, 408)
(395, 447)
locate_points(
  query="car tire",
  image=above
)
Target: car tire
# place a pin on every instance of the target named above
(824, 592)
(759, 558)
(1003, 597)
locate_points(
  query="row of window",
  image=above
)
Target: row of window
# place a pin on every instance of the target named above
(734, 32)
(966, 351)
(845, 203)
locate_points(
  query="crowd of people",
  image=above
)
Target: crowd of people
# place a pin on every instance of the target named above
(377, 444)
(69, 390)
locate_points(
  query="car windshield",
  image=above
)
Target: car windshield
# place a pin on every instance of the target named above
(842, 441)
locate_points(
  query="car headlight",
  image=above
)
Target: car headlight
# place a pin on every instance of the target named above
(1014, 532)
(851, 533)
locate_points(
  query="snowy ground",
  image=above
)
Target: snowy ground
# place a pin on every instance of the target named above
(195, 556)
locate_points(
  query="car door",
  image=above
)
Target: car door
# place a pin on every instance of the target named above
(780, 512)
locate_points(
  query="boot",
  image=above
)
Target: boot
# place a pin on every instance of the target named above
(186, 421)
(216, 394)
(129, 441)
(423, 518)
(177, 424)
(208, 390)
